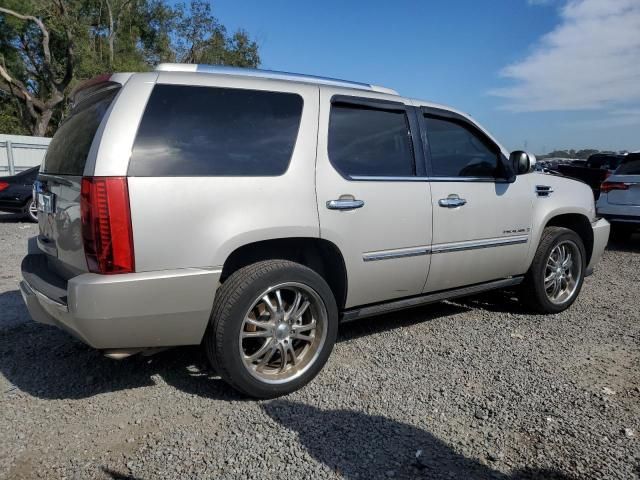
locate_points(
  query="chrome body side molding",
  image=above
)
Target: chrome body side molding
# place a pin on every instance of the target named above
(391, 254)
(381, 308)
(444, 248)
(476, 244)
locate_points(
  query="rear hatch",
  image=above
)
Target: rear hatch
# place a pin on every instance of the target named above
(58, 186)
(626, 182)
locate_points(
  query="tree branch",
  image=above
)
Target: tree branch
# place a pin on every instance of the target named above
(9, 89)
(45, 35)
(68, 74)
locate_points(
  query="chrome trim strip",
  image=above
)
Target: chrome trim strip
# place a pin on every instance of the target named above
(388, 179)
(488, 243)
(444, 248)
(394, 305)
(388, 255)
(372, 178)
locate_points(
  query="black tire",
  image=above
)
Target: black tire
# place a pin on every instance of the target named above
(621, 232)
(532, 292)
(233, 301)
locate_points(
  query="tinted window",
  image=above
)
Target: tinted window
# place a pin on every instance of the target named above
(189, 131)
(369, 142)
(630, 165)
(68, 150)
(458, 150)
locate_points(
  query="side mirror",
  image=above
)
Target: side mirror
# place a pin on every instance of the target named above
(521, 162)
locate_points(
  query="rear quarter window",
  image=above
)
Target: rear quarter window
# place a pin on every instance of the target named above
(69, 147)
(210, 131)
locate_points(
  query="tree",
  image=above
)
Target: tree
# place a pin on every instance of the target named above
(42, 58)
(586, 153)
(115, 15)
(48, 46)
(202, 39)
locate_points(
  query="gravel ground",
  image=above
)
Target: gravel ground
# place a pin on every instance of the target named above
(476, 388)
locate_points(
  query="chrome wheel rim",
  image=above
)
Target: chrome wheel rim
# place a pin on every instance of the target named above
(562, 272)
(283, 333)
(33, 210)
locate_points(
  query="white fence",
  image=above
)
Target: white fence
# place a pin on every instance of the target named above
(19, 152)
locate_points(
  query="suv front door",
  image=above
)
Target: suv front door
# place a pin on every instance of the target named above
(373, 197)
(481, 222)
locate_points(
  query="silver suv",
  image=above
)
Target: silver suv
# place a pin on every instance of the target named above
(254, 211)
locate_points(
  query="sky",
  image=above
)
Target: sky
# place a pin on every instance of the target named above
(538, 74)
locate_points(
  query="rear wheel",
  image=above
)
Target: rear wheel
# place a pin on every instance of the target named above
(557, 272)
(272, 329)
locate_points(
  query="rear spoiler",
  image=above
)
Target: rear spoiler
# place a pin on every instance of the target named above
(102, 82)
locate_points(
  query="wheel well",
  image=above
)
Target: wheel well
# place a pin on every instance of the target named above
(579, 224)
(320, 255)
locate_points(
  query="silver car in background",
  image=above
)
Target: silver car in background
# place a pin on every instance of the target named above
(619, 201)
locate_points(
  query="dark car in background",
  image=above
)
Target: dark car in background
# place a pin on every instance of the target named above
(16, 194)
(594, 171)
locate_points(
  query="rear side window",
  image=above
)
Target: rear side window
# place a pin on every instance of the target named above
(69, 147)
(630, 165)
(206, 131)
(458, 150)
(369, 142)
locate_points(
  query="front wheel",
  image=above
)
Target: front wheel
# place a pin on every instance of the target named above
(272, 329)
(556, 275)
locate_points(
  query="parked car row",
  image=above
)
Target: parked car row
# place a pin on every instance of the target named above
(593, 171)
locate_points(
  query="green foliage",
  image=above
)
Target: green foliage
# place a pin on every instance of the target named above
(10, 117)
(91, 37)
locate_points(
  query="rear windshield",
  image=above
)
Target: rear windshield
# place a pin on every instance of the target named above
(192, 131)
(68, 150)
(630, 166)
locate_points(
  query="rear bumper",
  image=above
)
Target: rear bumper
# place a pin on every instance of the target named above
(13, 207)
(136, 310)
(601, 230)
(629, 214)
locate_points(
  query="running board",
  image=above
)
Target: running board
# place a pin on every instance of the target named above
(392, 306)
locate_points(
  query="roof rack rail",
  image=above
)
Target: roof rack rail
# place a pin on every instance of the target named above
(254, 72)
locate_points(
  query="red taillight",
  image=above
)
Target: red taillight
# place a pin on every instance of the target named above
(3, 185)
(608, 186)
(106, 225)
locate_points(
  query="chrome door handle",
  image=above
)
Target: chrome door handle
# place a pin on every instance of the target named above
(452, 201)
(344, 204)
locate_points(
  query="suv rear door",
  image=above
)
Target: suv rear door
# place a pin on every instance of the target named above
(58, 186)
(373, 199)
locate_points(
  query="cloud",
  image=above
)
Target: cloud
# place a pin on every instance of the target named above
(591, 60)
(608, 120)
